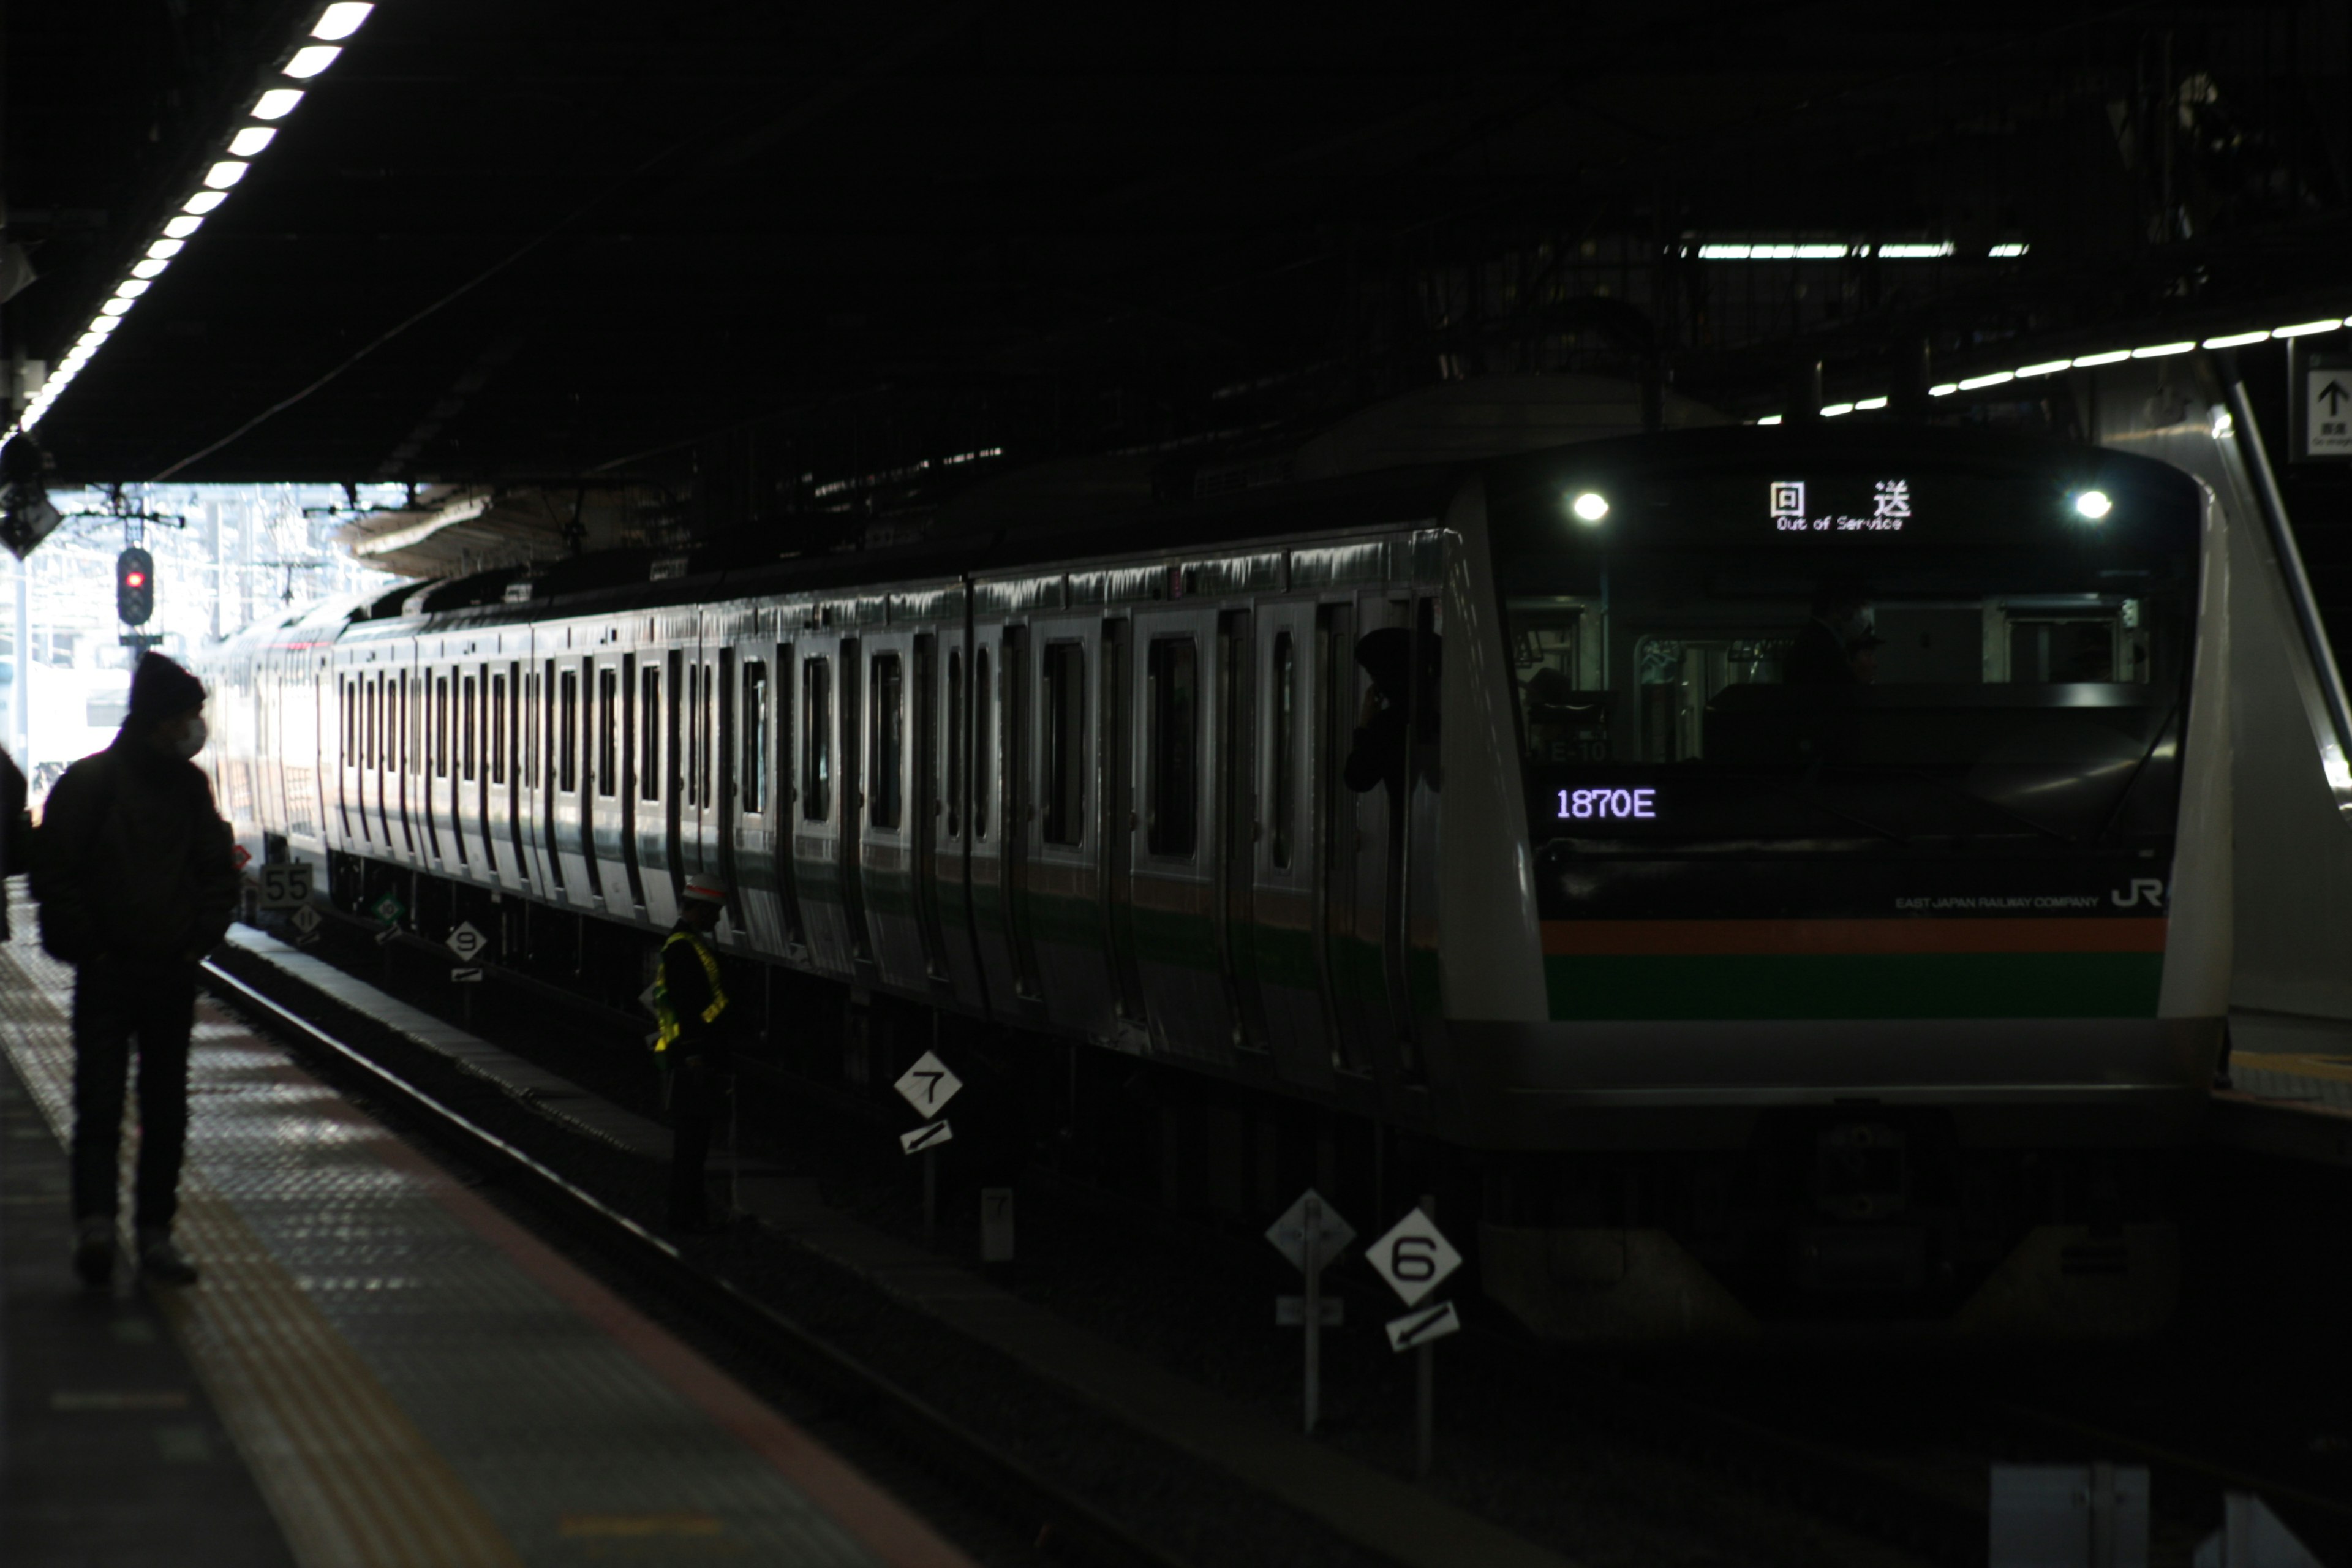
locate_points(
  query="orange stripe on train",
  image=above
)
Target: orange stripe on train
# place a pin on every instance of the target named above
(1627, 939)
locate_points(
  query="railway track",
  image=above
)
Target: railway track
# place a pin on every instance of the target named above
(1924, 1511)
(1068, 1524)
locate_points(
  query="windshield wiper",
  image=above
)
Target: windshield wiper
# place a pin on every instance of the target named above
(2124, 794)
(1993, 806)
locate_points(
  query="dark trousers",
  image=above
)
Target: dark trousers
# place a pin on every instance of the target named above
(113, 1003)
(697, 1092)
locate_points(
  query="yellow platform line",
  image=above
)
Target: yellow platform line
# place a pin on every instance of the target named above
(2335, 1069)
(348, 1476)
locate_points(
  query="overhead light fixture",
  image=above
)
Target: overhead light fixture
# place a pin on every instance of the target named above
(1769, 419)
(1970, 384)
(164, 249)
(310, 60)
(2159, 351)
(203, 202)
(150, 267)
(1833, 410)
(2009, 251)
(2093, 504)
(251, 140)
(182, 227)
(115, 307)
(2236, 339)
(2047, 367)
(2305, 328)
(1944, 389)
(225, 172)
(2084, 361)
(277, 103)
(1591, 507)
(131, 287)
(1867, 404)
(342, 19)
(104, 322)
(1908, 252)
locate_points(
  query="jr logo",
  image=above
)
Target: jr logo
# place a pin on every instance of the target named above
(2151, 889)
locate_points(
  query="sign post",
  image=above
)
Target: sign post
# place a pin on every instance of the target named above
(1310, 1233)
(1414, 1257)
(467, 942)
(927, 1086)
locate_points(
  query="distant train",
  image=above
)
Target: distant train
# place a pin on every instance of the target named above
(1788, 865)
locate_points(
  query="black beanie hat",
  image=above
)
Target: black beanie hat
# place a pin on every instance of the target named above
(161, 690)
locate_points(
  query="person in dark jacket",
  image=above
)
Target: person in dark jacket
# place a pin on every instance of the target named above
(137, 880)
(694, 1046)
(15, 830)
(1822, 654)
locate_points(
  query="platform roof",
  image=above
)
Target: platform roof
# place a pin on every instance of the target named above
(567, 241)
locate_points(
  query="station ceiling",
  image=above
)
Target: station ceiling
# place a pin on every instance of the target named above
(576, 241)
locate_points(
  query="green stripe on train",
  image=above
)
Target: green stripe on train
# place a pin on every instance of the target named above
(1877, 985)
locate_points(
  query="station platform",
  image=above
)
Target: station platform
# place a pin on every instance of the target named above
(378, 1367)
(2290, 1090)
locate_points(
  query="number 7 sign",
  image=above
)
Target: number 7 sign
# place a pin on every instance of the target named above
(1414, 1257)
(927, 1086)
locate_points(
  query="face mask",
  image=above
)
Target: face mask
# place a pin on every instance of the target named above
(190, 739)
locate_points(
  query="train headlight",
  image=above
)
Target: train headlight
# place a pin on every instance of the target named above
(1590, 506)
(2093, 504)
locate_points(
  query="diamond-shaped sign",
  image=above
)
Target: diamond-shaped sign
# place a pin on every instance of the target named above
(306, 920)
(927, 1086)
(1288, 1234)
(388, 908)
(1414, 1257)
(466, 941)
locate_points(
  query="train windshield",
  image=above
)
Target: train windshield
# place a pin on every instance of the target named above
(1858, 662)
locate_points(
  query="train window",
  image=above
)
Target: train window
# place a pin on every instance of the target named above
(567, 744)
(469, 716)
(498, 728)
(441, 726)
(351, 725)
(1285, 731)
(528, 761)
(608, 732)
(955, 742)
(368, 706)
(983, 741)
(693, 732)
(816, 739)
(1066, 758)
(1171, 804)
(755, 736)
(650, 734)
(887, 744)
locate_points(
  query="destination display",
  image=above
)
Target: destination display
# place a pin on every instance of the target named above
(1620, 804)
(1839, 505)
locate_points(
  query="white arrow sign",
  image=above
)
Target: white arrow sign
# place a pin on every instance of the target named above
(922, 1138)
(2328, 413)
(1414, 1257)
(467, 942)
(1288, 1234)
(1420, 1328)
(927, 1086)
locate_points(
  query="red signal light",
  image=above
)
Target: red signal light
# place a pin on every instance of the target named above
(135, 579)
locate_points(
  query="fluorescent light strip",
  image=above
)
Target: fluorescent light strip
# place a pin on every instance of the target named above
(334, 23)
(2305, 329)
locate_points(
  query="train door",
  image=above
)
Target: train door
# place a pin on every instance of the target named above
(951, 765)
(820, 807)
(885, 868)
(991, 857)
(1366, 786)
(1176, 925)
(467, 772)
(654, 793)
(1122, 745)
(501, 814)
(569, 691)
(1060, 892)
(752, 789)
(605, 787)
(1232, 762)
(1286, 957)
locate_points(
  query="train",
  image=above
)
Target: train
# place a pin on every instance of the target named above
(1782, 874)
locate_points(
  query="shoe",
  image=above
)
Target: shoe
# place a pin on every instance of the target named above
(159, 1262)
(94, 1251)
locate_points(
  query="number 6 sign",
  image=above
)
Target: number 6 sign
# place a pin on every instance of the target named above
(1414, 1257)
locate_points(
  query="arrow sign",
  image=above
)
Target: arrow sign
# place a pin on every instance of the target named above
(922, 1138)
(927, 1086)
(2327, 411)
(2331, 397)
(467, 942)
(466, 976)
(1414, 1257)
(1415, 1329)
(1288, 1234)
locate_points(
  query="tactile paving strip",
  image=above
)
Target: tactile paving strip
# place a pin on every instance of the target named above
(415, 1382)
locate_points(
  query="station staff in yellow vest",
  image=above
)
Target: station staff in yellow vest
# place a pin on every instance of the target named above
(693, 1046)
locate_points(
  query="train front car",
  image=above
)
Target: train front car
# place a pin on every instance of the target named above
(1876, 788)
